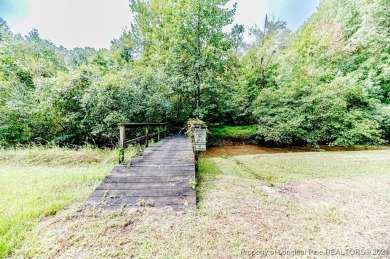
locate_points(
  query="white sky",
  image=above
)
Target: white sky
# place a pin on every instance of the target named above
(94, 23)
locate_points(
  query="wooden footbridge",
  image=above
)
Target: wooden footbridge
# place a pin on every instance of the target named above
(163, 175)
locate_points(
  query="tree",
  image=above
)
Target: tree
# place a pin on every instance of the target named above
(185, 39)
(327, 88)
(259, 65)
(268, 41)
(4, 29)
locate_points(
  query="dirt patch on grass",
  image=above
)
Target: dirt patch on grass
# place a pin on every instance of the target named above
(361, 203)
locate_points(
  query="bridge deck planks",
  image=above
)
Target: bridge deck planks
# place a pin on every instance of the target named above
(161, 176)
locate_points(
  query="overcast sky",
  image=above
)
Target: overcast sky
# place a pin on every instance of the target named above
(94, 23)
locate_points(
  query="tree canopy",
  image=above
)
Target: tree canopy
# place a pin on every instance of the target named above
(328, 82)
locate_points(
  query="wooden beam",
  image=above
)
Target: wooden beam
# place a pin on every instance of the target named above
(140, 138)
(143, 124)
(122, 137)
(147, 136)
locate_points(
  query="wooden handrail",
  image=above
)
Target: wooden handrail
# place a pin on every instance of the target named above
(143, 124)
(122, 135)
(142, 137)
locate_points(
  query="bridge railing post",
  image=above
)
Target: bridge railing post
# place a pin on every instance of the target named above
(122, 137)
(147, 136)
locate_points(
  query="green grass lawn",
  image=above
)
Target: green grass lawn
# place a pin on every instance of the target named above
(249, 203)
(39, 182)
(279, 169)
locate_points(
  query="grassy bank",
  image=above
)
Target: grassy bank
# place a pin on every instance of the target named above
(39, 182)
(267, 202)
(225, 135)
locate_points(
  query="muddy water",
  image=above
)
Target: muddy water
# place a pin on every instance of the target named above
(254, 150)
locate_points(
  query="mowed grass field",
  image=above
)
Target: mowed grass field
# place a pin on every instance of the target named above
(39, 182)
(254, 203)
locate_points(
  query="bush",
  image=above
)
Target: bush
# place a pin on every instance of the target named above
(220, 133)
(336, 115)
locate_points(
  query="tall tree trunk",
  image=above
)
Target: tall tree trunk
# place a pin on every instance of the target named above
(198, 54)
(197, 90)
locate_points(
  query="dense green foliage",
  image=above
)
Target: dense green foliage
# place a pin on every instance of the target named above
(328, 82)
(221, 133)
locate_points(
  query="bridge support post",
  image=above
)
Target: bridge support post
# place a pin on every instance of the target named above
(147, 136)
(122, 137)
